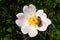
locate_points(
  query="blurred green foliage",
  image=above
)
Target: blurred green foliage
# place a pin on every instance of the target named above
(10, 31)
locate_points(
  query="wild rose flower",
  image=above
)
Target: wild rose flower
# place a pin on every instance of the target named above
(31, 21)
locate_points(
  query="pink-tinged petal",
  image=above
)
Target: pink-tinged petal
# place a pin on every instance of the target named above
(40, 11)
(41, 14)
(29, 9)
(47, 21)
(25, 29)
(19, 22)
(20, 15)
(20, 19)
(45, 24)
(43, 27)
(33, 32)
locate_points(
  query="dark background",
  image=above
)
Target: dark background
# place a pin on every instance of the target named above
(10, 31)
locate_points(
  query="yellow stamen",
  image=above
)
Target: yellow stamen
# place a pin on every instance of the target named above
(32, 19)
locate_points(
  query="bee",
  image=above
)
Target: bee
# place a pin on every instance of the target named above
(39, 21)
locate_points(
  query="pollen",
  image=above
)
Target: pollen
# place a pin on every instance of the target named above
(32, 19)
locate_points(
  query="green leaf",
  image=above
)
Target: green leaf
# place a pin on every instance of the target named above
(0, 0)
(58, 35)
(9, 30)
(57, 1)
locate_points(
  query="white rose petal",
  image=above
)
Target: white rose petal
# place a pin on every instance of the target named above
(47, 21)
(20, 15)
(45, 24)
(25, 29)
(29, 9)
(33, 32)
(20, 19)
(18, 22)
(41, 14)
(42, 28)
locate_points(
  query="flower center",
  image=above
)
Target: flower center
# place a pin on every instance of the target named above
(32, 19)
